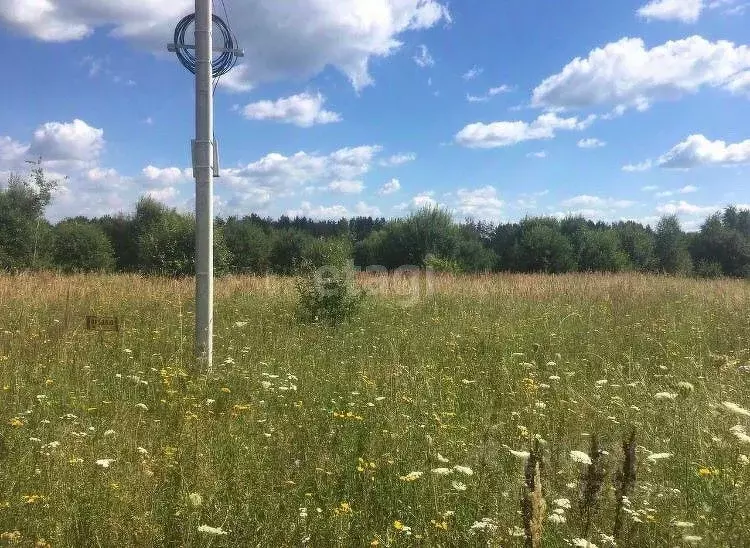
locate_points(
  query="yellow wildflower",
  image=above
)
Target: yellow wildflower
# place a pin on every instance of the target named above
(16, 422)
(226, 390)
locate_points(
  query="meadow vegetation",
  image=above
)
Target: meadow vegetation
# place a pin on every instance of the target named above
(576, 409)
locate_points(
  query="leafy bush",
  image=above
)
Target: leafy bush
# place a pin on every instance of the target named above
(443, 265)
(327, 294)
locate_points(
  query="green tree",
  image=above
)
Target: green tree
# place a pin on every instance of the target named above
(543, 247)
(600, 252)
(25, 235)
(639, 243)
(82, 247)
(250, 246)
(672, 247)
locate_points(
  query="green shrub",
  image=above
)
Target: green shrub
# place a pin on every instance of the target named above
(327, 294)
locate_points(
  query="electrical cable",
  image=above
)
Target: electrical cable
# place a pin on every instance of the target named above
(222, 64)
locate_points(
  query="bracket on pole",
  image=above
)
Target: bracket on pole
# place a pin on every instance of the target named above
(215, 147)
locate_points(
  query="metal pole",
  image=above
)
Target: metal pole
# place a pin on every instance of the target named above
(204, 124)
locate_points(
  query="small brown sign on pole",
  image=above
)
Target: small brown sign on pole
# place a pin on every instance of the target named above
(103, 323)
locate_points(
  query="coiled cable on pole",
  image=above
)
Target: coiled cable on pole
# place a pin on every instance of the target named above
(223, 63)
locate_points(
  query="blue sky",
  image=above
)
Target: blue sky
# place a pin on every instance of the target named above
(495, 110)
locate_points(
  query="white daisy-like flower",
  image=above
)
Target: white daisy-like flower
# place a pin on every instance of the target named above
(653, 457)
(665, 396)
(562, 503)
(740, 433)
(442, 471)
(734, 408)
(458, 486)
(486, 524)
(464, 470)
(580, 457)
(105, 463)
(218, 531)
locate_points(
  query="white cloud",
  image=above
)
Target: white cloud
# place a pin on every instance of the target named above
(12, 153)
(627, 74)
(346, 187)
(490, 93)
(337, 211)
(697, 150)
(75, 141)
(633, 168)
(481, 203)
(392, 186)
(684, 190)
(165, 195)
(472, 73)
(166, 176)
(289, 39)
(649, 188)
(687, 11)
(303, 110)
(540, 154)
(588, 201)
(503, 134)
(591, 142)
(398, 159)
(423, 57)
(684, 208)
(422, 200)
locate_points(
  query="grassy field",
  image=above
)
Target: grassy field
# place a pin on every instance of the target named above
(405, 427)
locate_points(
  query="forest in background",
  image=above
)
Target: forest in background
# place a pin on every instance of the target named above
(159, 240)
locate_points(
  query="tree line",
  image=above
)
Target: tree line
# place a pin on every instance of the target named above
(156, 239)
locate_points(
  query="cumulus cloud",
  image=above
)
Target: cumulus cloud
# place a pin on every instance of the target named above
(423, 57)
(628, 74)
(337, 211)
(392, 186)
(688, 189)
(289, 39)
(589, 202)
(684, 208)
(503, 134)
(481, 203)
(697, 150)
(75, 141)
(303, 110)
(346, 187)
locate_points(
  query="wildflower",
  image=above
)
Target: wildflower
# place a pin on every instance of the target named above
(411, 476)
(740, 433)
(734, 408)
(608, 540)
(685, 387)
(266, 384)
(653, 457)
(557, 519)
(580, 456)
(15, 422)
(196, 500)
(109, 433)
(562, 503)
(517, 531)
(706, 472)
(303, 513)
(442, 525)
(218, 531)
(601, 383)
(458, 486)
(35, 440)
(442, 459)
(142, 406)
(523, 455)
(142, 451)
(343, 509)
(127, 350)
(583, 543)
(554, 377)
(485, 524)
(665, 396)
(226, 390)
(240, 324)
(683, 524)
(105, 463)
(11, 537)
(442, 471)
(743, 460)
(464, 470)
(692, 539)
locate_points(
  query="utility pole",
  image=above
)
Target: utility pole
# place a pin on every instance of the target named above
(203, 162)
(205, 154)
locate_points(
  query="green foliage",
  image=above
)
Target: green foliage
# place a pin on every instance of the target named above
(25, 236)
(326, 285)
(639, 243)
(442, 265)
(543, 248)
(672, 247)
(250, 246)
(82, 247)
(600, 251)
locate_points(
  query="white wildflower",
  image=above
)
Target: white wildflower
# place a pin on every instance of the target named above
(142, 406)
(412, 476)
(442, 471)
(303, 513)
(601, 382)
(562, 503)
(684, 524)
(583, 543)
(608, 540)
(209, 401)
(580, 456)
(266, 384)
(517, 531)
(195, 499)
(458, 486)
(240, 324)
(442, 459)
(105, 463)
(653, 457)
(464, 470)
(109, 433)
(684, 386)
(743, 460)
(518, 454)
(740, 433)
(554, 377)
(212, 530)
(557, 519)
(486, 524)
(692, 539)
(142, 451)
(665, 396)
(734, 408)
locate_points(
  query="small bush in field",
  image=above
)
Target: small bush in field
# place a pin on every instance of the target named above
(327, 294)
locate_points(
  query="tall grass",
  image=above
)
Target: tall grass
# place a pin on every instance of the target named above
(406, 426)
